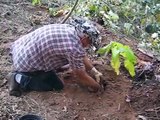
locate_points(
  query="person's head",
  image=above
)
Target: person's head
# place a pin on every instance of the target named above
(91, 36)
(85, 40)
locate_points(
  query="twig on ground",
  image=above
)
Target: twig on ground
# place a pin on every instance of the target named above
(153, 109)
(76, 117)
(5, 6)
(33, 101)
(21, 3)
(146, 53)
(119, 107)
(152, 118)
(142, 117)
(45, 114)
(4, 83)
(27, 103)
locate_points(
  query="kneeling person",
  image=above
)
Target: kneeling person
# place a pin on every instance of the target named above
(37, 55)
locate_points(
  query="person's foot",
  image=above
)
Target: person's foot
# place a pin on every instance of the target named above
(14, 88)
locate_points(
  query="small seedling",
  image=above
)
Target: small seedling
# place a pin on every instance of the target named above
(119, 51)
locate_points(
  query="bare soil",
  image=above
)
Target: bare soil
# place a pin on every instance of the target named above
(74, 102)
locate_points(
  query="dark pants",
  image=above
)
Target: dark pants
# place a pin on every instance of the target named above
(40, 81)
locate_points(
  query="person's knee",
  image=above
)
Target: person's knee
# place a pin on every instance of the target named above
(59, 86)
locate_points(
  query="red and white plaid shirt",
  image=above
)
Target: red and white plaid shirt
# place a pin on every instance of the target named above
(48, 48)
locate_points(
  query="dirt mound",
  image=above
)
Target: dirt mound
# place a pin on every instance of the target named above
(145, 99)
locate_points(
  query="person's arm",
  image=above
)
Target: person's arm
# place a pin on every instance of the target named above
(78, 62)
(87, 63)
(86, 80)
(92, 69)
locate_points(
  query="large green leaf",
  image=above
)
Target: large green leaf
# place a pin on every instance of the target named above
(128, 54)
(105, 50)
(130, 67)
(125, 51)
(115, 60)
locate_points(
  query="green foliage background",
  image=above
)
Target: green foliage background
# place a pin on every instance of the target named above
(123, 14)
(139, 19)
(135, 18)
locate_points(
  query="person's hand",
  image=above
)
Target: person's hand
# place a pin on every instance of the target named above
(97, 74)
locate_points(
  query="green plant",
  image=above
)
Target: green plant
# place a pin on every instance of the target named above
(36, 2)
(138, 19)
(119, 51)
